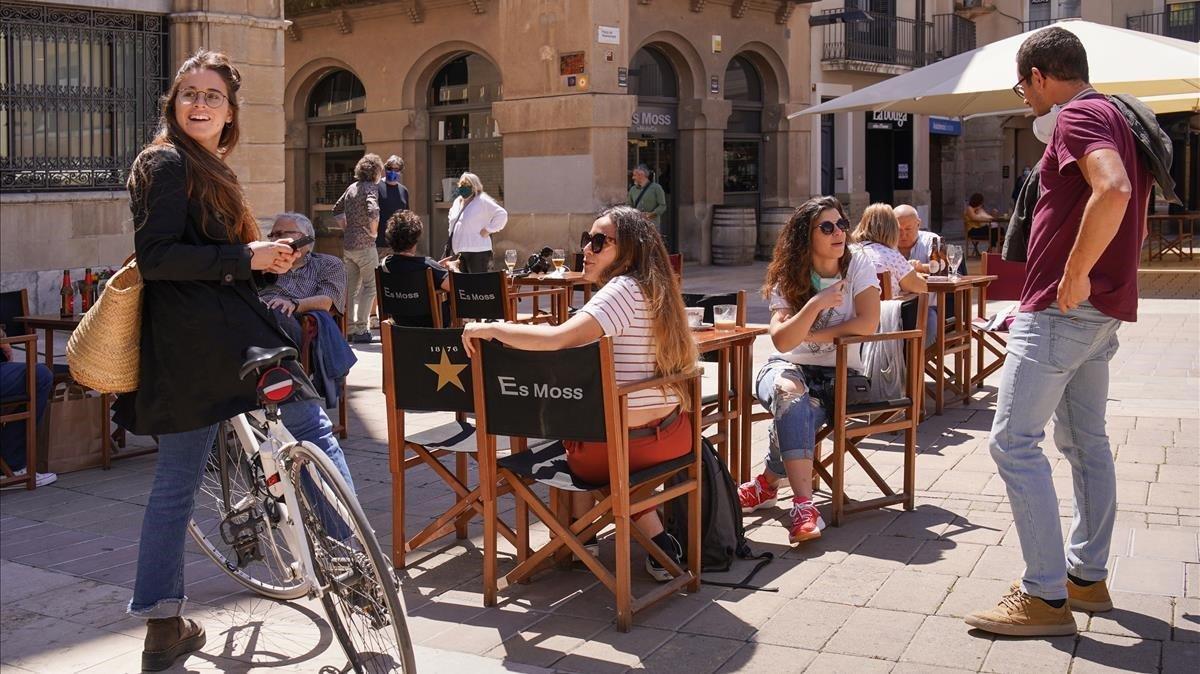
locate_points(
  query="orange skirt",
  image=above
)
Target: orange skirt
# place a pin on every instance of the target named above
(589, 460)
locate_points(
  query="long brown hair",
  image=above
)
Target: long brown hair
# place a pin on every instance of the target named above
(879, 225)
(210, 181)
(642, 256)
(790, 270)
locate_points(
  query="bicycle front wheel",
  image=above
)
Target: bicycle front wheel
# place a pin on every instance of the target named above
(359, 586)
(237, 524)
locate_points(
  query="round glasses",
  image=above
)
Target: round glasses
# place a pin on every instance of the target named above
(213, 99)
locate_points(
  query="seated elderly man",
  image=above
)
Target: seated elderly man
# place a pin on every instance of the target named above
(915, 244)
(316, 282)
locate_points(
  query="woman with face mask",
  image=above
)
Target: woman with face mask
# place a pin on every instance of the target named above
(474, 218)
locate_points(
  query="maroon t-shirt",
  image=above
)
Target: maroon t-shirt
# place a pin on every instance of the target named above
(1085, 125)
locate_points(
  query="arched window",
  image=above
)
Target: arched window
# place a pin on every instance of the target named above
(334, 141)
(652, 76)
(743, 133)
(338, 93)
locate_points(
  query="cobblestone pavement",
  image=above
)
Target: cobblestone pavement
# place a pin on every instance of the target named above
(885, 592)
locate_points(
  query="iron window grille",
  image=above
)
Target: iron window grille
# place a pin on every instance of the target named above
(79, 94)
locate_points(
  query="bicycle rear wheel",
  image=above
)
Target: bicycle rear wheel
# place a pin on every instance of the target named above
(236, 522)
(360, 596)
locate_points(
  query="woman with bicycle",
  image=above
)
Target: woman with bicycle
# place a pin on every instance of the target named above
(639, 305)
(198, 250)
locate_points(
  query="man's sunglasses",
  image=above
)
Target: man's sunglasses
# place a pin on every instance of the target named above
(280, 235)
(827, 227)
(597, 241)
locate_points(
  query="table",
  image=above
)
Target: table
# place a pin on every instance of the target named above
(956, 342)
(1186, 236)
(52, 323)
(569, 280)
(736, 361)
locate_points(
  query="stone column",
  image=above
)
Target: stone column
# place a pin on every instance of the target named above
(856, 198)
(700, 156)
(251, 33)
(787, 150)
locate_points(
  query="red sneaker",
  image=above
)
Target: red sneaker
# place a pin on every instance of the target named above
(806, 522)
(755, 494)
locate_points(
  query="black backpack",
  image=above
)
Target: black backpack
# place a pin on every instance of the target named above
(723, 537)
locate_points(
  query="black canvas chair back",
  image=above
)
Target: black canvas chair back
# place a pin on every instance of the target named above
(430, 369)
(408, 298)
(478, 296)
(12, 304)
(556, 395)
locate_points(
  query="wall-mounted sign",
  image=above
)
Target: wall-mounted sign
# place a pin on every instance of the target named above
(608, 35)
(622, 77)
(716, 44)
(901, 171)
(886, 119)
(714, 85)
(653, 119)
(571, 63)
(609, 56)
(945, 126)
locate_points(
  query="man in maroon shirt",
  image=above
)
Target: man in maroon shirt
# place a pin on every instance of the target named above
(1080, 284)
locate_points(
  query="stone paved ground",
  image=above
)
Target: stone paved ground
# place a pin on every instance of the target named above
(885, 592)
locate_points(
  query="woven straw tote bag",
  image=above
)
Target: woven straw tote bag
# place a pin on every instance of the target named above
(103, 351)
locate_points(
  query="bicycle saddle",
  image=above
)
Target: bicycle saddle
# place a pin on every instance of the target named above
(258, 358)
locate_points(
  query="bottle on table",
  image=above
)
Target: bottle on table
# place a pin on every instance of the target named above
(66, 296)
(935, 258)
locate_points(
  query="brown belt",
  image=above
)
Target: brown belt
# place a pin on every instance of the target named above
(647, 431)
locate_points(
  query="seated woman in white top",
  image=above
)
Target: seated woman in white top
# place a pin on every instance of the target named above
(819, 290)
(641, 308)
(877, 234)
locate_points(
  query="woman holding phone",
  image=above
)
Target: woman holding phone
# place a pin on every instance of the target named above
(198, 250)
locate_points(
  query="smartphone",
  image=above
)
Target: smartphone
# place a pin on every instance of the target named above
(301, 242)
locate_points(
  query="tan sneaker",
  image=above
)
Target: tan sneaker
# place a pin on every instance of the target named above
(1094, 597)
(1022, 615)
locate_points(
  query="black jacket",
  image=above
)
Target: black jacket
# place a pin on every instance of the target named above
(200, 310)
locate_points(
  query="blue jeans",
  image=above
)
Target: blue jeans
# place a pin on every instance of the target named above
(1057, 364)
(797, 415)
(12, 384)
(158, 590)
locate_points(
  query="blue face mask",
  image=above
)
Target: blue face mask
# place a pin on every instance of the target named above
(464, 191)
(393, 176)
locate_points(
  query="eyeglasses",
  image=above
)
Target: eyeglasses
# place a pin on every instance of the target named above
(212, 98)
(1019, 89)
(285, 235)
(827, 227)
(597, 241)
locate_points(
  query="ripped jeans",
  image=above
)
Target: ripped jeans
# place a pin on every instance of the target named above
(797, 415)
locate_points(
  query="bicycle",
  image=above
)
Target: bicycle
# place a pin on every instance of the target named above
(285, 542)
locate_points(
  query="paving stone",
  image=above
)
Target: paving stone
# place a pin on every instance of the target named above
(691, 653)
(875, 633)
(981, 528)
(916, 668)
(973, 594)
(754, 657)
(846, 585)
(883, 552)
(1147, 576)
(947, 557)
(913, 591)
(41, 644)
(1192, 581)
(737, 614)
(1141, 454)
(1187, 619)
(1142, 616)
(1158, 544)
(613, 651)
(947, 642)
(834, 663)
(1179, 658)
(803, 624)
(1178, 495)
(546, 641)
(85, 603)
(1048, 655)
(21, 581)
(923, 522)
(1109, 653)
(1000, 563)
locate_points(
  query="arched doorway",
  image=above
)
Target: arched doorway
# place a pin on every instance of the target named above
(743, 134)
(334, 142)
(654, 130)
(463, 135)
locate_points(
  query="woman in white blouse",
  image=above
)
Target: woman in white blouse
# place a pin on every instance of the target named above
(640, 306)
(474, 217)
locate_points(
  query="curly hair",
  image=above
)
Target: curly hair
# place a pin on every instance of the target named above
(404, 230)
(790, 271)
(369, 168)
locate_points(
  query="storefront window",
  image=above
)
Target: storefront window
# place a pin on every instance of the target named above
(741, 166)
(465, 135)
(743, 133)
(334, 142)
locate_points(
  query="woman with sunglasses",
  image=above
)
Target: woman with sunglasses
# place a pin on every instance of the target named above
(640, 306)
(819, 290)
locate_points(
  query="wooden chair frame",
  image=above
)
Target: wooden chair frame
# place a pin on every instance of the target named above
(511, 297)
(616, 505)
(23, 410)
(989, 341)
(720, 408)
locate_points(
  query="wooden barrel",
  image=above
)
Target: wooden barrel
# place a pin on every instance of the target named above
(734, 232)
(770, 225)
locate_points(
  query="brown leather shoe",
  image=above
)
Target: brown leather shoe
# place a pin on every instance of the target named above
(1094, 597)
(1023, 615)
(167, 639)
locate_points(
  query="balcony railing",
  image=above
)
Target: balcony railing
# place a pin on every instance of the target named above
(952, 35)
(292, 8)
(1027, 26)
(872, 37)
(1182, 22)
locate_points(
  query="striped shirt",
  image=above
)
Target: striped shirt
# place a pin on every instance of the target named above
(320, 275)
(620, 309)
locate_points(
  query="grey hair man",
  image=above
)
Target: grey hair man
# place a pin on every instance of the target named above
(646, 195)
(316, 282)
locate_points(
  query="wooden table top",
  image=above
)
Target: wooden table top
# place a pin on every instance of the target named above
(713, 339)
(964, 281)
(51, 321)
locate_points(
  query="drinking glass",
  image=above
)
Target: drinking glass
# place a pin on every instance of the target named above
(724, 316)
(695, 316)
(510, 259)
(558, 258)
(954, 253)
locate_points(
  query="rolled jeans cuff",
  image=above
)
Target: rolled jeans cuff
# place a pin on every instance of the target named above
(163, 608)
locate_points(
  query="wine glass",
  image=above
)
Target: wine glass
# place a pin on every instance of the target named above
(559, 257)
(510, 259)
(954, 254)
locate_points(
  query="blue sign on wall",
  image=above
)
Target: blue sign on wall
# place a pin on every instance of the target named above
(945, 126)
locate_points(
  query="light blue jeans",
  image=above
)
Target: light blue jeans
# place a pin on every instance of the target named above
(1057, 364)
(797, 415)
(158, 589)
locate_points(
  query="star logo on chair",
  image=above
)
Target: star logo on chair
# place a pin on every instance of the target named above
(447, 372)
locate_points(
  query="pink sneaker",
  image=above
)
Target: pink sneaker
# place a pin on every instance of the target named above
(806, 522)
(755, 494)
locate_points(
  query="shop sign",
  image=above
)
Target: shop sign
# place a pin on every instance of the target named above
(653, 120)
(608, 35)
(887, 120)
(571, 63)
(945, 126)
(714, 85)
(901, 171)
(623, 77)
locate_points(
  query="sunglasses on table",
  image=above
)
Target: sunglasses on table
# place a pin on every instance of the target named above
(597, 241)
(827, 227)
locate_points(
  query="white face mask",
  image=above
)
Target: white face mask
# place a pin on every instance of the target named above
(1043, 125)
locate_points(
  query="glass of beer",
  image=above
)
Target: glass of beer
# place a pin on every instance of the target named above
(559, 257)
(724, 316)
(510, 259)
